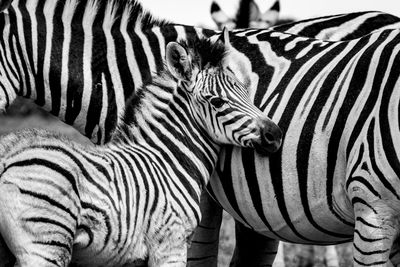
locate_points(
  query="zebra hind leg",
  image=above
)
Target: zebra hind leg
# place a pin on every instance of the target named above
(252, 248)
(27, 245)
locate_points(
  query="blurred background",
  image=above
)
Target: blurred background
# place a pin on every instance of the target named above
(24, 114)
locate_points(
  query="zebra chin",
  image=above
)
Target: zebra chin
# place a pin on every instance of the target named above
(266, 149)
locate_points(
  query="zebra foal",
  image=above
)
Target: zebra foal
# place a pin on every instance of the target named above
(138, 195)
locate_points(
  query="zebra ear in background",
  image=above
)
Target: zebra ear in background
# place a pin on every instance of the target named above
(178, 62)
(4, 4)
(266, 19)
(220, 18)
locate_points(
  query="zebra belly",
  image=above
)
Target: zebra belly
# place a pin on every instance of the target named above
(279, 210)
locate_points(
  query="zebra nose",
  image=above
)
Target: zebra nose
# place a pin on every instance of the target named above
(271, 137)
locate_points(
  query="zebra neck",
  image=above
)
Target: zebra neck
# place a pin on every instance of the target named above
(162, 121)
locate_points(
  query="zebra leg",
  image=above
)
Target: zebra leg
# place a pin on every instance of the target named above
(25, 243)
(6, 257)
(395, 253)
(376, 228)
(280, 256)
(331, 256)
(204, 246)
(252, 248)
(168, 247)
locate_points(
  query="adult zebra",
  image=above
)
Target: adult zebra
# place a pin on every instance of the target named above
(138, 195)
(247, 15)
(336, 27)
(336, 176)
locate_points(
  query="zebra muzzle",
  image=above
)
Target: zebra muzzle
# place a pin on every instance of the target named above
(270, 138)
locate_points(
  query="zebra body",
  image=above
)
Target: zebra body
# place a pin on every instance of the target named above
(138, 195)
(336, 175)
(341, 27)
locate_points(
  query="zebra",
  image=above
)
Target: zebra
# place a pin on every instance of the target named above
(139, 194)
(335, 27)
(248, 15)
(334, 178)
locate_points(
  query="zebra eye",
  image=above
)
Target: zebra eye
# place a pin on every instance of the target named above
(217, 102)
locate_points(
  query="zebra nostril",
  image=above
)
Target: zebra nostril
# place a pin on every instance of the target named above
(269, 138)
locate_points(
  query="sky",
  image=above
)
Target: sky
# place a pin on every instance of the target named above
(197, 12)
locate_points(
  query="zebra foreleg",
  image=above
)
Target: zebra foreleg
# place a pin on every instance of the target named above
(376, 227)
(204, 246)
(252, 248)
(170, 250)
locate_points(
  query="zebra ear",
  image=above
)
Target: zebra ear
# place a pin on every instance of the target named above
(224, 37)
(4, 4)
(219, 17)
(266, 19)
(254, 12)
(178, 61)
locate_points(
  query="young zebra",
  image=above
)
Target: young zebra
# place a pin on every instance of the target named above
(248, 15)
(138, 195)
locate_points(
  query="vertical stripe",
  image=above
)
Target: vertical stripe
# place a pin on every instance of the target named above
(48, 11)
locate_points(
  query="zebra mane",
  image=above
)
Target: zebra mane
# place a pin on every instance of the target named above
(131, 12)
(146, 19)
(204, 52)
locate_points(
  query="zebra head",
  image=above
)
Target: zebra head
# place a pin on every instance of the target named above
(248, 15)
(222, 104)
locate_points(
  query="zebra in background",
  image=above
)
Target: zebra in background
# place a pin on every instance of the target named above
(138, 195)
(248, 15)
